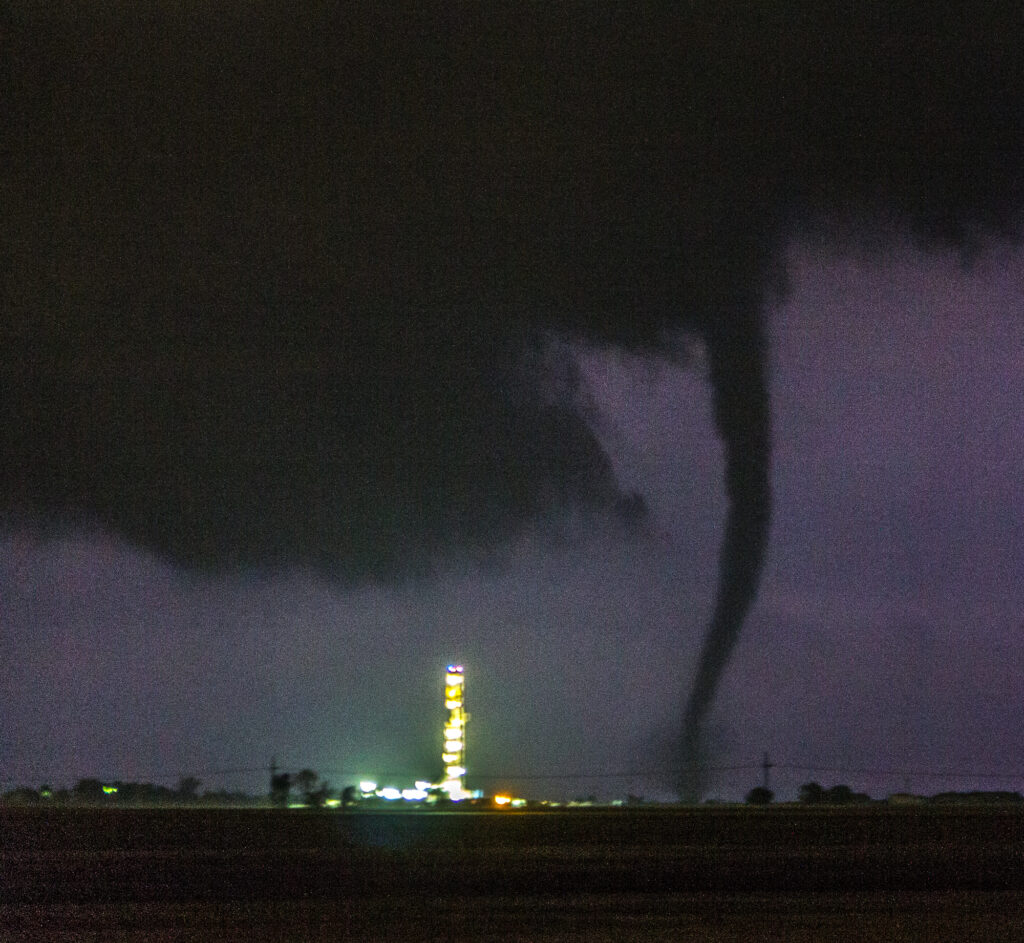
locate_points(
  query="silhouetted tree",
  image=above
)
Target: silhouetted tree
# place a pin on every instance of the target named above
(143, 794)
(349, 795)
(88, 790)
(188, 788)
(320, 795)
(280, 786)
(305, 782)
(839, 795)
(22, 795)
(759, 795)
(811, 794)
(844, 795)
(977, 796)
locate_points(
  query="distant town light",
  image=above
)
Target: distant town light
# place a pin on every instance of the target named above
(367, 786)
(390, 793)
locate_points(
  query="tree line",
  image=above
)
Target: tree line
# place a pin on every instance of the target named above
(812, 794)
(305, 787)
(92, 791)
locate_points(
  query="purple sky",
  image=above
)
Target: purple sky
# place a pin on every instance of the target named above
(885, 638)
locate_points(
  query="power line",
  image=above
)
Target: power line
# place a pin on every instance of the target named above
(622, 774)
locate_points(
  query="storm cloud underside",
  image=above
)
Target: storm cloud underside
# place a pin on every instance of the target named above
(281, 287)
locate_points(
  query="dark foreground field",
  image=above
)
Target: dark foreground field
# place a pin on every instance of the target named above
(649, 874)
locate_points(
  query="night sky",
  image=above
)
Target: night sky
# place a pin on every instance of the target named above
(598, 349)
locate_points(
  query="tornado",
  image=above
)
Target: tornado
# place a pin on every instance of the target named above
(738, 374)
(273, 303)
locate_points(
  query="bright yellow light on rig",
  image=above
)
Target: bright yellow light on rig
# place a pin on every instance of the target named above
(453, 755)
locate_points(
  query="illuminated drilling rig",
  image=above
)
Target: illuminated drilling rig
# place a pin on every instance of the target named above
(453, 755)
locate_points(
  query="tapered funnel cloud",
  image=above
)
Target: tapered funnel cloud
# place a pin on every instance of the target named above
(741, 411)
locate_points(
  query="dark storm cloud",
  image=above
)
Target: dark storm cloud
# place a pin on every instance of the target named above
(279, 284)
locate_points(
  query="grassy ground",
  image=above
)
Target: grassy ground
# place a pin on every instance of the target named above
(645, 874)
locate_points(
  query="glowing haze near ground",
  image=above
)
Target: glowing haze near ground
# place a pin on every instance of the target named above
(886, 635)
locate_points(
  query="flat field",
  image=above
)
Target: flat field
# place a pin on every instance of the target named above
(778, 873)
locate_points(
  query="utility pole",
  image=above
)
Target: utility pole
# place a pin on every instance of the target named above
(766, 766)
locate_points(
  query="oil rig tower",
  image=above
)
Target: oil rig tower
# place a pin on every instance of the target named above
(453, 755)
